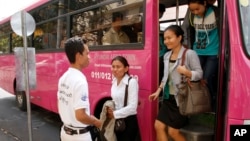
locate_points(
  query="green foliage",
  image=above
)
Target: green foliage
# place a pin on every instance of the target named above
(4, 44)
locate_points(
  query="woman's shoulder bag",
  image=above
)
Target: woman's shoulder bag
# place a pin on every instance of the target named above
(193, 96)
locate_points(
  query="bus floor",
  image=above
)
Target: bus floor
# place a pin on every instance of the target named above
(200, 127)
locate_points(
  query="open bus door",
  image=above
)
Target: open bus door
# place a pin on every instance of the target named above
(207, 126)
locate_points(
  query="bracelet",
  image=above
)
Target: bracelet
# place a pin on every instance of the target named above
(160, 87)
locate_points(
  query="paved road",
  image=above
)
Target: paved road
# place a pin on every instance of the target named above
(14, 127)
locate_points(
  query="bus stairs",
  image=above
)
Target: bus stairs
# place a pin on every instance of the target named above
(200, 127)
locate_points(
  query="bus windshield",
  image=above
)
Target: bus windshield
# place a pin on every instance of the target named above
(245, 23)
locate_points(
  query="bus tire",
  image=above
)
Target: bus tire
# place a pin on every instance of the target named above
(21, 100)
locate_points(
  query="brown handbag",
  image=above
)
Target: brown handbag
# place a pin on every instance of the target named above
(193, 96)
(120, 124)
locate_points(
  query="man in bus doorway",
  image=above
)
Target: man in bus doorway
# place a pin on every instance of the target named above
(73, 94)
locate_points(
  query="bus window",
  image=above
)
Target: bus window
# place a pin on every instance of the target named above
(87, 25)
(74, 5)
(45, 35)
(46, 12)
(245, 22)
(93, 25)
(17, 41)
(4, 44)
(9, 40)
(5, 32)
(50, 34)
(124, 23)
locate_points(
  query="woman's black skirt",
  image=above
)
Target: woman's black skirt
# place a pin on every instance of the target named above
(170, 115)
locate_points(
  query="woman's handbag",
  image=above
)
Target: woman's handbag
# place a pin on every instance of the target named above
(193, 97)
(120, 124)
(95, 133)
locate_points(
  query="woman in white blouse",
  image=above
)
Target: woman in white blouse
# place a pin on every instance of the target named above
(120, 68)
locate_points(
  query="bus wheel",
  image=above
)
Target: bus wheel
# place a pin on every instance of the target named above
(21, 100)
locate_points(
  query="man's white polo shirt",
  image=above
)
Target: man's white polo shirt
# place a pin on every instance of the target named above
(72, 94)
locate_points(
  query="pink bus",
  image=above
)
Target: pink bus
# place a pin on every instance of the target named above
(60, 19)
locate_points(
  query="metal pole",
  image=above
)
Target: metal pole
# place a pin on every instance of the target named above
(177, 12)
(24, 32)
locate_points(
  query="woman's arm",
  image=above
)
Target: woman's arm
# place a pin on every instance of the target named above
(156, 94)
(192, 68)
(194, 65)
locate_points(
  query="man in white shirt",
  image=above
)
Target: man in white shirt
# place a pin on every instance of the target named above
(73, 94)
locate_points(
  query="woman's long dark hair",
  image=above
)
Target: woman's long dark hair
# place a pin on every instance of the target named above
(201, 2)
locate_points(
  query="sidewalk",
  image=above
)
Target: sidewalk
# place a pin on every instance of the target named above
(4, 94)
(4, 136)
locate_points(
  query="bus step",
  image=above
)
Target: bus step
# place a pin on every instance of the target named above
(197, 133)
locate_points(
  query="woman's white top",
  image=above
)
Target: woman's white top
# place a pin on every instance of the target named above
(118, 95)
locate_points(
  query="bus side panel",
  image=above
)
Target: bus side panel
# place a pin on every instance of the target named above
(49, 68)
(238, 88)
(7, 73)
(99, 69)
(152, 43)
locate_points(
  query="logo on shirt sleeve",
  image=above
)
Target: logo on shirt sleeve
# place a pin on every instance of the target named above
(84, 98)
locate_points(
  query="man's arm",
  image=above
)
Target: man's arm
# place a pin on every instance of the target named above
(86, 119)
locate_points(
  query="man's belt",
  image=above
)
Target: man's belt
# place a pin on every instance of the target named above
(71, 131)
